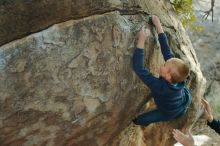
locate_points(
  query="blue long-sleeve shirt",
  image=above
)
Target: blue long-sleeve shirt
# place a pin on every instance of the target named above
(171, 99)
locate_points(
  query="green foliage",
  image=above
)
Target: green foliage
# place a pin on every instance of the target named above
(196, 28)
(183, 5)
(187, 16)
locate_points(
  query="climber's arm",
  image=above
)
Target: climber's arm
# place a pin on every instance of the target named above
(142, 72)
(138, 62)
(165, 48)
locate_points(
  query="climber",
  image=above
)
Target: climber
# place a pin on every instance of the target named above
(170, 94)
(187, 139)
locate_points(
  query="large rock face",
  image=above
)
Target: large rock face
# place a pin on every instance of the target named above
(20, 17)
(72, 84)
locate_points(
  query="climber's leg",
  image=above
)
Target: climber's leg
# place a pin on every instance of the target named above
(151, 117)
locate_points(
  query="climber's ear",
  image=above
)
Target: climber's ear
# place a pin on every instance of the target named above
(168, 78)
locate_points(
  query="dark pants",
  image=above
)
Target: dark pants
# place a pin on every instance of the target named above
(153, 116)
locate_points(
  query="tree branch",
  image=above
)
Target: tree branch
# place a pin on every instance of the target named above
(211, 10)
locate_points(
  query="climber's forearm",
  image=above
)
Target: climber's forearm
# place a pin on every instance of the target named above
(165, 48)
(157, 24)
(140, 43)
(159, 28)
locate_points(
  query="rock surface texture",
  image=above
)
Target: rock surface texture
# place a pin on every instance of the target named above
(71, 82)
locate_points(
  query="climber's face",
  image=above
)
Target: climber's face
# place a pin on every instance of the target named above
(165, 71)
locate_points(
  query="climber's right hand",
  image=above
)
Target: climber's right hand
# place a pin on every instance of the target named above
(157, 24)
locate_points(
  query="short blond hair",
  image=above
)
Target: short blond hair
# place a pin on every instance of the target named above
(179, 70)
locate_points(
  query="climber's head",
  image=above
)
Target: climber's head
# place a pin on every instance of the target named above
(174, 70)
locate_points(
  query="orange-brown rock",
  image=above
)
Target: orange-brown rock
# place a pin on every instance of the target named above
(72, 83)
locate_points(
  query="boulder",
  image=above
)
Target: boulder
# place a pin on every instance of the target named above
(72, 83)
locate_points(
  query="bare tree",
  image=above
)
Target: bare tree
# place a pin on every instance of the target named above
(211, 10)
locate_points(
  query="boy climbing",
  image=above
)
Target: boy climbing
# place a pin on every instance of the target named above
(170, 94)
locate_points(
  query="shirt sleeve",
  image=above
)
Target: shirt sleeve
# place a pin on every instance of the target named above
(165, 48)
(142, 72)
(215, 125)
